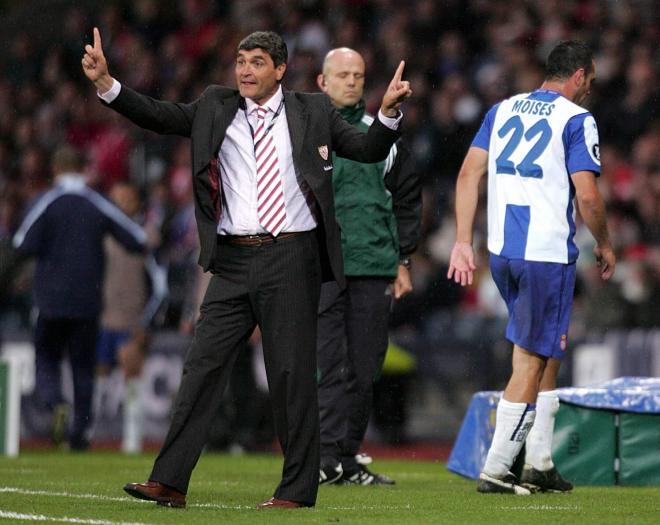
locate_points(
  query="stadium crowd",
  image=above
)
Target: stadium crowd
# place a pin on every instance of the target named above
(461, 57)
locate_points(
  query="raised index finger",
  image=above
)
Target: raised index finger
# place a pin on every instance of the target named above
(399, 71)
(97, 39)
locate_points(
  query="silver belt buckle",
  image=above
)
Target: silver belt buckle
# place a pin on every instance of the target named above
(258, 238)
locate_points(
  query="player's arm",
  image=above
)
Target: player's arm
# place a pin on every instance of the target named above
(592, 209)
(461, 263)
(157, 275)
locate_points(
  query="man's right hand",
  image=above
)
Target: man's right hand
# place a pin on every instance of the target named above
(461, 264)
(94, 65)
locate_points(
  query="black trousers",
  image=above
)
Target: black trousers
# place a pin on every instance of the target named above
(76, 339)
(276, 286)
(352, 341)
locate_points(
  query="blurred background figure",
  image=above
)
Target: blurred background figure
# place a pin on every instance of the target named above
(64, 232)
(134, 288)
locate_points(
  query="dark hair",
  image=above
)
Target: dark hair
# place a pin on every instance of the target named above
(270, 42)
(66, 158)
(566, 58)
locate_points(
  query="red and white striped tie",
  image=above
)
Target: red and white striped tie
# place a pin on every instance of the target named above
(270, 197)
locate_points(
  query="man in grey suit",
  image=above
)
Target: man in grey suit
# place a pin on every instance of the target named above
(262, 179)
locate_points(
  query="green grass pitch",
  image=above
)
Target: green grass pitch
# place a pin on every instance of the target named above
(58, 487)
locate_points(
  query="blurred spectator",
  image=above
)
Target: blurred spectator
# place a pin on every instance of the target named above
(130, 304)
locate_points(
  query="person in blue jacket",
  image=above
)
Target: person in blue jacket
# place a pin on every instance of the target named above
(64, 232)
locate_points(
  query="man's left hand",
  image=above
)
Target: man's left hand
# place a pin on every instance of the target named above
(396, 93)
(402, 285)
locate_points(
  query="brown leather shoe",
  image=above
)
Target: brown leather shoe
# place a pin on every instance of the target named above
(156, 491)
(274, 503)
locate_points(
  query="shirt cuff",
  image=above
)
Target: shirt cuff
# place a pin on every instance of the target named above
(390, 122)
(112, 93)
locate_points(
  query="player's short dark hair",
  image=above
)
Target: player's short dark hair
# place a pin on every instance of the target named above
(270, 42)
(66, 158)
(566, 58)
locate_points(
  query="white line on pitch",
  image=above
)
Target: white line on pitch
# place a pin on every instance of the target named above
(542, 507)
(28, 492)
(8, 515)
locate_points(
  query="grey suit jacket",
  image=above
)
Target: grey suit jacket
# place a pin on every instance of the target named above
(316, 130)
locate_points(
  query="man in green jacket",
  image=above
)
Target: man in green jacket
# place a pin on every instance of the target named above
(378, 207)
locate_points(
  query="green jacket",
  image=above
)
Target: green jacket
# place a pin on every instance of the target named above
(363, 206)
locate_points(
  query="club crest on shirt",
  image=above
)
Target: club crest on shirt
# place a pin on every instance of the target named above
(323, 151)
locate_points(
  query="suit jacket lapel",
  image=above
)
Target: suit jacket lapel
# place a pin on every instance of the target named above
(225, 111)
(296, 117)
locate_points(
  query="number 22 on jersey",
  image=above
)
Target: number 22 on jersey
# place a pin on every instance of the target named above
(536, 139)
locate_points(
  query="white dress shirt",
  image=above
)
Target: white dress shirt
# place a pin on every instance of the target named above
(238, 169)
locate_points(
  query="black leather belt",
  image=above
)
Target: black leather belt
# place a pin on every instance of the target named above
(260, 239)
